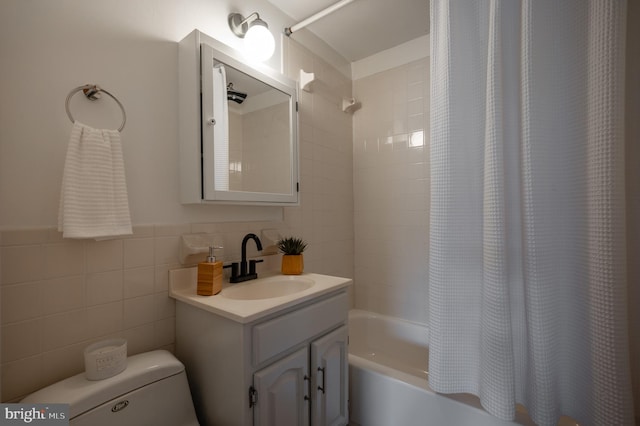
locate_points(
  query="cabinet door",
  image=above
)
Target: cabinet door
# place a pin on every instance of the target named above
(330, 369)
(282, 392)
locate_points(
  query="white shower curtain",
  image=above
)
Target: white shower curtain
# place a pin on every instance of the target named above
(221, 129)
(527, 285)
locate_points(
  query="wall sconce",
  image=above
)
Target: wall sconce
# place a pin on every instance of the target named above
(259, 43)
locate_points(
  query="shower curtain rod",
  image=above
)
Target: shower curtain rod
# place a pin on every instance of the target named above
(311, 19)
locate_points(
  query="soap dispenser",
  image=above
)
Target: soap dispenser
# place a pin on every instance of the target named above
(209, 276)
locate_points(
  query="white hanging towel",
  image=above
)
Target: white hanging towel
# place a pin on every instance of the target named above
(93, 199)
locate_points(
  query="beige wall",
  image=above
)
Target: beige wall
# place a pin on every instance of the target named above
(58, 296)
(129, 48)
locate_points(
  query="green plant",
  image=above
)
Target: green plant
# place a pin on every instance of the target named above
(291, 245)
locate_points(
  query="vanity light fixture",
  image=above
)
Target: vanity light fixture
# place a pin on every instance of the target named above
(259, 43)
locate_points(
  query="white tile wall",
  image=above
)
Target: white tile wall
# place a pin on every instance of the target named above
(97, 290)
(58, 296)
(103, 287)
(325, 216)
(257, 174)
(138, 282)
(138, 252)
(391, 191)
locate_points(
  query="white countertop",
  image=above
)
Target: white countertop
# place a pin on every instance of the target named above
(183, 283)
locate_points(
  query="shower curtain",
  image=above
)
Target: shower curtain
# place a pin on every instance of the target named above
(527, 285)
(221, 129)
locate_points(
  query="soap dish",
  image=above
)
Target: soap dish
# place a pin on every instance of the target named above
(105, 359)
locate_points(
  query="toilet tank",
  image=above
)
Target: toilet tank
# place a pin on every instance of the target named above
(153, 390)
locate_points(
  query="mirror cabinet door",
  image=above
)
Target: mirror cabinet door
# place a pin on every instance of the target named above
(249, 133)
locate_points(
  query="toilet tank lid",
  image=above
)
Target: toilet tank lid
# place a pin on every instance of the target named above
(83, 395)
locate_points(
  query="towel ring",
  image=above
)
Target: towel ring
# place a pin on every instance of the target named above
(92, 92)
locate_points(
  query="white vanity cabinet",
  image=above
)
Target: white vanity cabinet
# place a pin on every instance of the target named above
(287, 368)
(283, 389)
(288, 387)
(330, 372)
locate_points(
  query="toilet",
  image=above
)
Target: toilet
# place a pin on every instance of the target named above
(152, 390)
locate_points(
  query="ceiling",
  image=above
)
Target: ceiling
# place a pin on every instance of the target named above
(363, 27)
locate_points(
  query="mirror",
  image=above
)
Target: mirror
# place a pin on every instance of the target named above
(248, 120)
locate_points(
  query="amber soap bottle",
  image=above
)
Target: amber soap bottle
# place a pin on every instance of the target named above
(209, 276)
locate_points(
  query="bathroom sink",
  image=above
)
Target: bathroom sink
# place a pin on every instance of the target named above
(249, 301)
(267, 288)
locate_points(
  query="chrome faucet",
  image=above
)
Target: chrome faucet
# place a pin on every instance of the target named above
(246, 272)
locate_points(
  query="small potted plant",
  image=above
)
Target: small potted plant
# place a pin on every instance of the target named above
(292, 259)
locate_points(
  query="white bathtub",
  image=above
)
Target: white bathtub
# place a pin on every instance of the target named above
(388, 384)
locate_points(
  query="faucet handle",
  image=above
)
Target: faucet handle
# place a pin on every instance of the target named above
(252, 265)
(234, 269)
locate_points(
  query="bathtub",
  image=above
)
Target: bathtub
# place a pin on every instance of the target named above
(388, 379)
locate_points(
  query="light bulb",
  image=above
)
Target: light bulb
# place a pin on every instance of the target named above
(259, 44)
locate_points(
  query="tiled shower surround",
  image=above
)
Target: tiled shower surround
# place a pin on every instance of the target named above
(391, 191)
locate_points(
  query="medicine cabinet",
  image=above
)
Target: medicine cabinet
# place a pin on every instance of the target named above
(238, 128)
